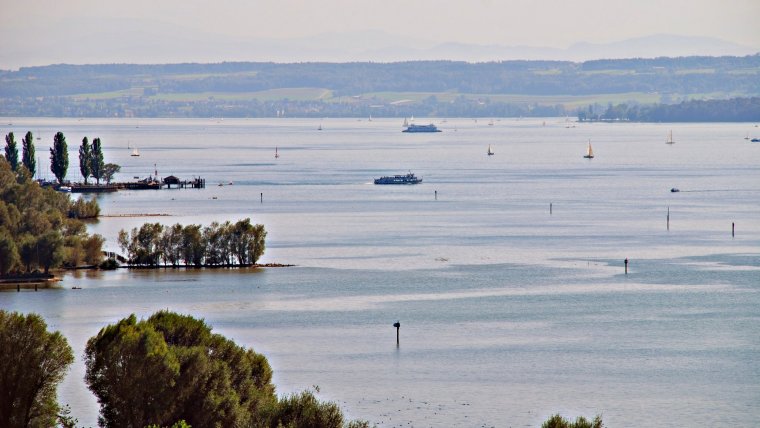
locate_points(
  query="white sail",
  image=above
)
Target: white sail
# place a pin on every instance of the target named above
(670, 138)
(589, 151)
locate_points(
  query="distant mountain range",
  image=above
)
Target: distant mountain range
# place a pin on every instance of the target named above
(137, 42)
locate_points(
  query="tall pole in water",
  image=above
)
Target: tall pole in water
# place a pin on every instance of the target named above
(397, 324)
(733, 228)
(668, 217)
(626, 265)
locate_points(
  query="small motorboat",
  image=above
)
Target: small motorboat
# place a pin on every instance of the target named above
(674, 190)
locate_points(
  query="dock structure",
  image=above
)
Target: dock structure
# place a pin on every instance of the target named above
(150, 183)
(195, 183)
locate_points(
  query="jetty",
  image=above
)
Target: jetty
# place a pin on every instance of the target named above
(150, 183)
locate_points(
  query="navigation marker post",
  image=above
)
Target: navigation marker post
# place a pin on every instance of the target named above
(397, 324)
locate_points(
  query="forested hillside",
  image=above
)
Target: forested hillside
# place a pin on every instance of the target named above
(356, 89)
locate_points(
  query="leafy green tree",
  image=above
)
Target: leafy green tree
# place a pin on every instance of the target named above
(59, 157)
(8, 253)
(171, 367)
(97, 165)
(85, 159)
(50, 246)
(27, 157)
(93, 249)
(34, 362)
(557, 421)
(27, 249)
(192, 245)
(304, 410)
(109, 170)
(11, 151)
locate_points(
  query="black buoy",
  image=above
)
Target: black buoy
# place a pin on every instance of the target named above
(397, 324)
(626, 265)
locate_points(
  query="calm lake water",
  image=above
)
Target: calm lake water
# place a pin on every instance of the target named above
(509, 312)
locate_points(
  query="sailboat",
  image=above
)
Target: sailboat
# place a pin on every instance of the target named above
(490, 152)
(589, 151)
(135, 152)
(405, 124)
(276, 155)
(319, 128)
(670, 138)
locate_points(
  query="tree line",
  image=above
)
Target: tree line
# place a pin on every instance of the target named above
(91, 163)
(41, 228)
(732, 110)
(219, 244)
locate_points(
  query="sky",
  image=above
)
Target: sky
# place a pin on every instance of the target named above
(40, 32)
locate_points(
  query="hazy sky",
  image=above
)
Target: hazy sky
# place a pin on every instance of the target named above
(34, 32)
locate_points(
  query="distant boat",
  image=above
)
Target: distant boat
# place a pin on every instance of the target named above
(405, 124)
(135, 152)
(276, 155)
(674, 190)
(421, 128)
(490, 123)
(319, 128)
(670, 138)
(64, 189)
(399, 179)
(755, 140)
(490, 152)
(589, 151)
(747, 137)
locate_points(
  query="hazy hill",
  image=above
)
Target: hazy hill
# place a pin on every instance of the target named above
(356, 88)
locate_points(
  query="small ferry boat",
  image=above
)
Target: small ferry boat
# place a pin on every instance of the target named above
(755, 140)
(421, 128)
(409, 178)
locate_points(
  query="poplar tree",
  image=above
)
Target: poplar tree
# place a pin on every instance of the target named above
(97, 165)
(11, 151)
(85, 159)
(27, 158)
(59, 157)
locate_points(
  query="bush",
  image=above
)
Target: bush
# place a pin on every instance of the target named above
(557, 421)
(109, 264)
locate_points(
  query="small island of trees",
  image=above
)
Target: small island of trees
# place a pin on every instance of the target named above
(217, 245)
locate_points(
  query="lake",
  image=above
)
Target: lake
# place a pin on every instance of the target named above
(506, 272)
